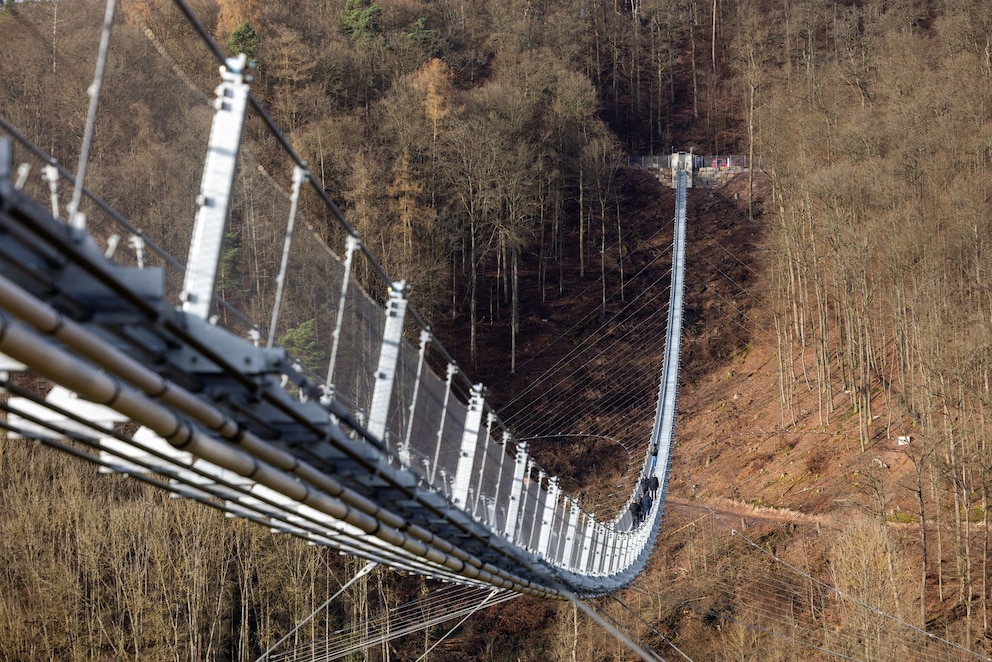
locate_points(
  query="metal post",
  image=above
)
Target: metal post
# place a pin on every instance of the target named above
(596, 553)
(444, 482)
(78, 220)
(350, 246)
(452, 371)
(482, 465)
(389, 355)
(520, 466)
(587, 535)
(51, 175)
(536, 522)
(499, 474)
(523, 501)
(557, 537)
(425, 338)
(609, 562)
(215, 188)
(548, 518)
(597, 565)
(570, 529)
(470, 442)
(298, 174)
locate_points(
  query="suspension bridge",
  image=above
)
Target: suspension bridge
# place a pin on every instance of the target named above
(403, 473)
(388, 452)
(385, 450)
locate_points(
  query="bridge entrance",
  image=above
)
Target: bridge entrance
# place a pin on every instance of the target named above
(706, 170)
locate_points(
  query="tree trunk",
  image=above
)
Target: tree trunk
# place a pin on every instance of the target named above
(473, 279)
(923, 537)
(515, 308)
(752, 87)
(713, 39)
(582, 225)
(542, 256)
(602, 250)
(620, 252)
(692, 42)
(575, 632)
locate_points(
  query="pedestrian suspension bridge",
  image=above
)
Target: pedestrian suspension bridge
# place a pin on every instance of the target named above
(388, 452)
(382, 460)
(384, 449)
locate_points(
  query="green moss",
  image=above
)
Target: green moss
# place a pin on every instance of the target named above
(899, 517)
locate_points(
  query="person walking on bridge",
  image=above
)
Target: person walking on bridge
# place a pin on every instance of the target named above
(653, 486)
(645, 504)
(635, 513)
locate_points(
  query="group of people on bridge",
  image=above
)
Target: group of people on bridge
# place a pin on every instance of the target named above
(640, 507)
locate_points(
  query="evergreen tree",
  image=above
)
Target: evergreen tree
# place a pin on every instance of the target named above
(360, 19)
(301, 341)
(244, 40)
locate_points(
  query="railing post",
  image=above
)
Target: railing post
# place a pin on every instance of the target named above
(570, 529)
(559, 547)
(523, 500)
(298, 175)
(351, 245)
(425, 338)
(499, 474)
(548, 518)
(50, 174)
(600, 545)
(215, 188)
(470, 442)
(490, 420)
(609, 561)
(389, 354)
(536, 522)
(516, 489)
(452, 371)
(587, 535)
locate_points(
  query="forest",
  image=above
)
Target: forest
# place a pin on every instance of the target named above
(480, 148)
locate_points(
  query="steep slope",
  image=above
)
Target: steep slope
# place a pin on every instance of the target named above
(787, 475)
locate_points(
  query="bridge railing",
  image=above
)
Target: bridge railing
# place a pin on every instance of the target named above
(425, 430)
(316, 274)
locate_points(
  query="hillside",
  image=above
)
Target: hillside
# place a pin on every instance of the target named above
(788, 474)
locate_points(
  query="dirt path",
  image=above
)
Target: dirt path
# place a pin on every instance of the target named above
(735, 512)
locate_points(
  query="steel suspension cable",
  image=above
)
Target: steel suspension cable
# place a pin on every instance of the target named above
(590, 344)
(582, 346)
(612, 626)
(94, 93)
(520, 421)
(358, 575)
(437, 643)
(776, 593)
(633, 613)
(834, 589)
(578, 324)
(440, 606)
